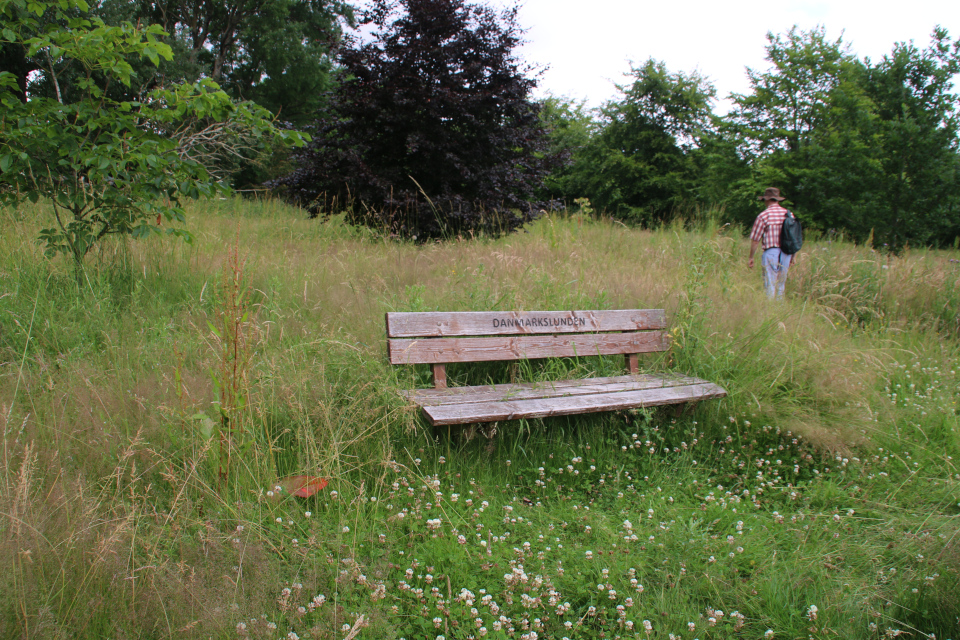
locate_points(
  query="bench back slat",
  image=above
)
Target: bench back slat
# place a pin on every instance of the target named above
(492, 323)
(443, 350)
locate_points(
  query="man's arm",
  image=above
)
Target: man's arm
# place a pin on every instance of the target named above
(753, 249)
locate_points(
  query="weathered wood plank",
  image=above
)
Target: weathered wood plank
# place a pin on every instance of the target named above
(437, 350)
(530, 390)
(439, 376)
(547, 407)
(490, 323)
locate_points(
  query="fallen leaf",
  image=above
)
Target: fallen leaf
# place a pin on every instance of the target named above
(303, 486)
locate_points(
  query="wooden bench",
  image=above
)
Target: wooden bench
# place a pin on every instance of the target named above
(437, 338)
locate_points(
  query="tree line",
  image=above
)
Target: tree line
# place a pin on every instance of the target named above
(861, 148)
(421, 123)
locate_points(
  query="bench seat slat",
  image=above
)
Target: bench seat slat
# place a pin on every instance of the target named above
(559, 406)
(443, 350)
(549, 389)
(489, 323)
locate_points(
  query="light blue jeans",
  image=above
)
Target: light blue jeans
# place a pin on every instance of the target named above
(775, 265)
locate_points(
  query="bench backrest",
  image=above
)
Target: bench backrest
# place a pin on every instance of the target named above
(437, 338)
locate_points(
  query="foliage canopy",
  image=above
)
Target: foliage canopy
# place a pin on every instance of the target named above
(869, 150)
(107, 166)
(432, 131)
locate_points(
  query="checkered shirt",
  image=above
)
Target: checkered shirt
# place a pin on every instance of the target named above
(767, 226)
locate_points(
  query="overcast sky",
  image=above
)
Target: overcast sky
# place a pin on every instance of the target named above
(586, 46)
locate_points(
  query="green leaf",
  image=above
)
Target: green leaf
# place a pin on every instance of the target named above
(5, 162)
(150, 52)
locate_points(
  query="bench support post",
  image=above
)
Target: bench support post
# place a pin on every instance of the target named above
(633, 362)
(439, 376)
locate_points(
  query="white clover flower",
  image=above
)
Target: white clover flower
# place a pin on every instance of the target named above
(346, 529)
(768, 634)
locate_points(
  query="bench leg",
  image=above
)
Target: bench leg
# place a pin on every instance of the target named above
(439, 376)
(682, 408)
(633, 362)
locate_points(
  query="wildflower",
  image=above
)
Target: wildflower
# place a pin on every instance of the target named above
(812, 612)
(346, 529)
(768, 634)
(647, 626)
(307, 513)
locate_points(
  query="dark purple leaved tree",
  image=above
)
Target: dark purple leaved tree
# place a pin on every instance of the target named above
(432, 131)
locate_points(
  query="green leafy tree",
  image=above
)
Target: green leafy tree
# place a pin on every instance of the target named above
(106, 166)
(918, 199)
(639, 166)
(276, 53)
(867, 150)
(799, 126)
(791, 100)
(570, 127)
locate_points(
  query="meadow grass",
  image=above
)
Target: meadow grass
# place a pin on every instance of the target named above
(148, 416)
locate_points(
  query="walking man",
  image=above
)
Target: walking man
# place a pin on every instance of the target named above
(766, 231)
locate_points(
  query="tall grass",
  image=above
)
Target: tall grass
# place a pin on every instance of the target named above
(149, 412)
